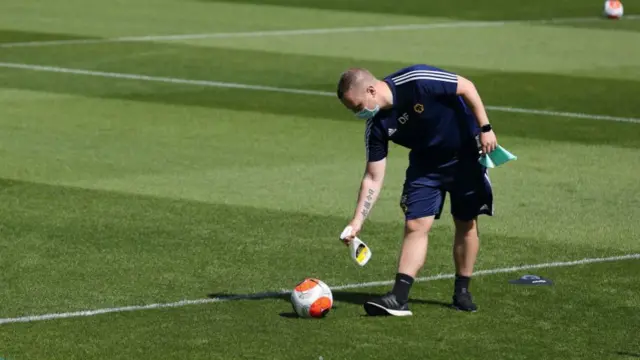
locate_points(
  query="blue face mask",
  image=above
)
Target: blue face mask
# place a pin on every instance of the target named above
(367, 113)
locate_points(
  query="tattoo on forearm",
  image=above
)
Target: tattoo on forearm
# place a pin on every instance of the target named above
(367, 203)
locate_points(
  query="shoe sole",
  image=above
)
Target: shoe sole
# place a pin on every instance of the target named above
(463, 309)
(374, 309)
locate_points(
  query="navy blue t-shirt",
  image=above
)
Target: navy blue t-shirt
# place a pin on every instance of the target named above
(427, 117)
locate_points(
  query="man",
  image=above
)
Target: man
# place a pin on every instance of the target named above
(440, 117)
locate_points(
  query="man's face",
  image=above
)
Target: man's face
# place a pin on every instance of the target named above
(362, 101)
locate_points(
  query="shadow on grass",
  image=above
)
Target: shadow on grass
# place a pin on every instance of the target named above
(628, 354)
(356, 298)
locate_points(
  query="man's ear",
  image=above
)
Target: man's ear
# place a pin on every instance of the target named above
(371, 90)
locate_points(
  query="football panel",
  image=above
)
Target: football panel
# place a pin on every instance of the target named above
(306, 285)
(321, 307)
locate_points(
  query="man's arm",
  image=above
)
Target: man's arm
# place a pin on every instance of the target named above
(470, 94)
(369, 191)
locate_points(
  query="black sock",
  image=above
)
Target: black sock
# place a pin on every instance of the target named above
(401, 287)
(462, 284)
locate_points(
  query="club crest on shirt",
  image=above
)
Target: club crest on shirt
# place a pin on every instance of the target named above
(418, 108)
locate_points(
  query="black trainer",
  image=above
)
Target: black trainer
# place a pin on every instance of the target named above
(386, 305)
(464, 302)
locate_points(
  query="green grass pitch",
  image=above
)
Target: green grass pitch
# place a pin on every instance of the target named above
(123, 192)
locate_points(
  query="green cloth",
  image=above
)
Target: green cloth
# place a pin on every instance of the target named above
(497, 157)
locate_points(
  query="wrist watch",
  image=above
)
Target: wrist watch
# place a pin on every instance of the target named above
(486, 128)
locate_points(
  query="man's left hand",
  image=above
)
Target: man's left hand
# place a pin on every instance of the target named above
(488, 141)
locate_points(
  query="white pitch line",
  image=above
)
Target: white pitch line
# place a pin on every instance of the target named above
(563, 114)
(264, 295)
(298, 32)
(265, 33)
(221, 84)
(162, 79)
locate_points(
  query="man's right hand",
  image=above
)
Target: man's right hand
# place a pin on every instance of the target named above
(356, 226)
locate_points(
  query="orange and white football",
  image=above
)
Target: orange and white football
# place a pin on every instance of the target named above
(312, 298)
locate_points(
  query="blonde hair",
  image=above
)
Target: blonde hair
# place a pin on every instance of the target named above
(354, 77)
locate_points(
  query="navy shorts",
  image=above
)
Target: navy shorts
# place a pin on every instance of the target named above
(467, 183)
